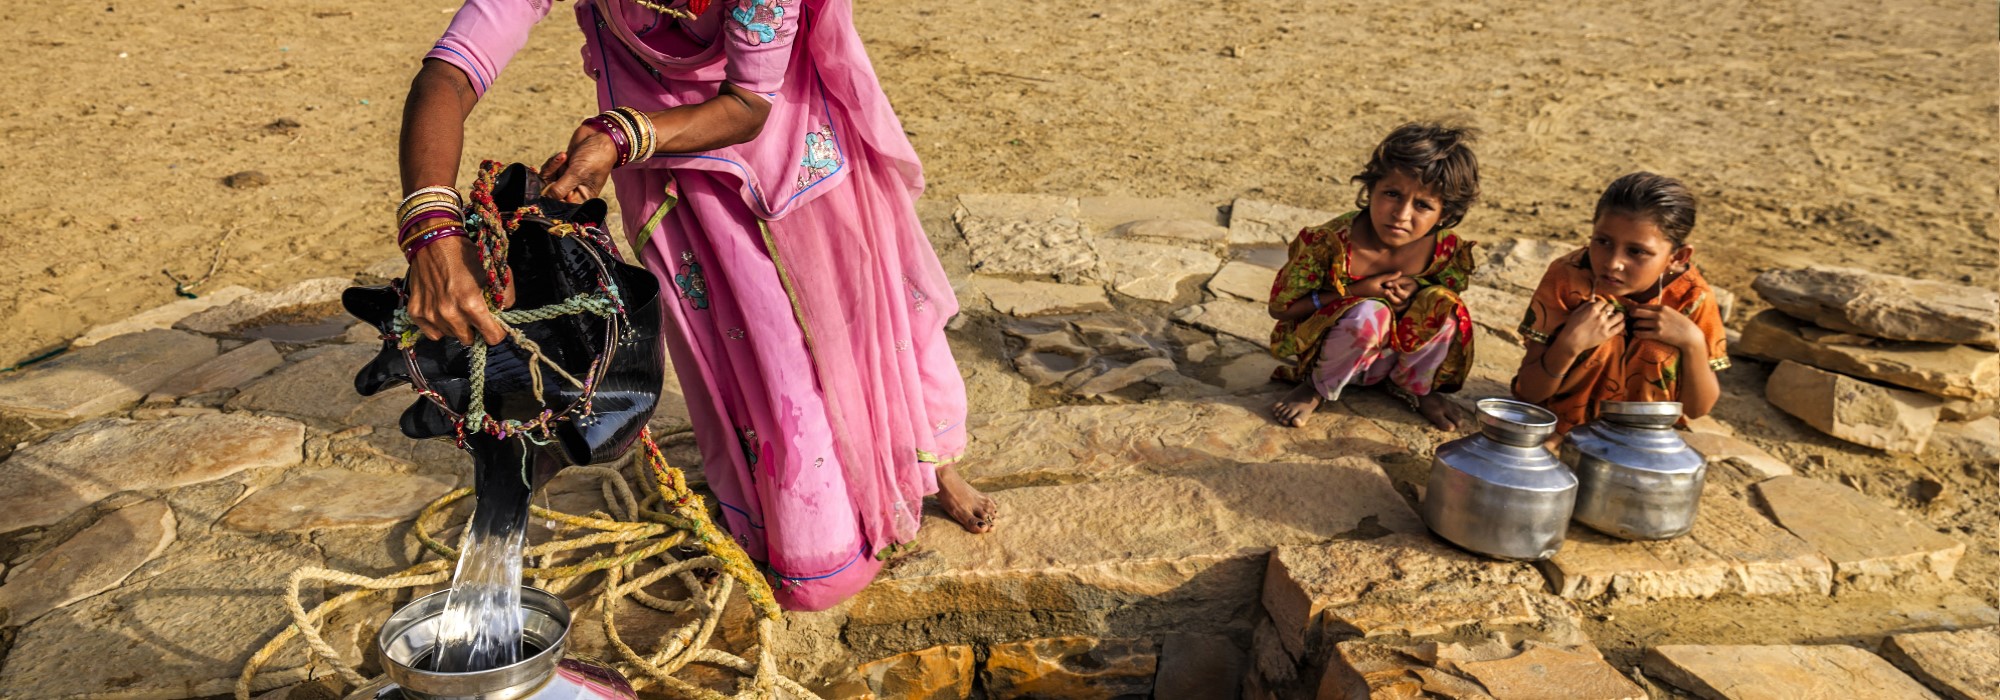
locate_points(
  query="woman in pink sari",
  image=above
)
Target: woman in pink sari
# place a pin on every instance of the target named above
(808, 329)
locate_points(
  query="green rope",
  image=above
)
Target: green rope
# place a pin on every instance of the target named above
(599, 305)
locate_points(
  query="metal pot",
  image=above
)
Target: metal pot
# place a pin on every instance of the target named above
(1638, 479)
(548, 673)
(1500, 493)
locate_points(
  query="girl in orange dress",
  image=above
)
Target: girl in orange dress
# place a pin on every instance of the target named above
(1372, 296)
(1628, 317)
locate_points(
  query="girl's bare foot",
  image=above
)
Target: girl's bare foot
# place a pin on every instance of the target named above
(973, 510)
(1300, 402)
(1439, 410)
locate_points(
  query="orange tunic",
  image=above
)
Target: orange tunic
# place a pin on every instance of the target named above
(1623, 368)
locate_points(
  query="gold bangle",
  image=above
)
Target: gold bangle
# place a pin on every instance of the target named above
(422, 207)
(644, 126)
(411, 206)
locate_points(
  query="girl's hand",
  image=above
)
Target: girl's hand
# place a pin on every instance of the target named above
(1377, 286)
(579, 173)
(1400, 290)
(447, 298)
(1667, 325)
(1590, 324)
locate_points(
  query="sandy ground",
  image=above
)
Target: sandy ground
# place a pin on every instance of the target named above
(1835, 132)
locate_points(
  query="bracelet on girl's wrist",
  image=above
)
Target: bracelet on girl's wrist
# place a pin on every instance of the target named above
(1315, 300)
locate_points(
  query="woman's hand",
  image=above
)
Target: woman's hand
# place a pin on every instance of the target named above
(579, 173)
(447, 298)
(1667, 325)
(1590, 324)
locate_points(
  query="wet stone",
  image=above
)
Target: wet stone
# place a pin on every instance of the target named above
(227, 371)
(104, 377)
(75, 468)
(1254, 221)
(331, 498)
(1885, 306)
(161, 317)
(1081, 668)
(90, 562)
(1726, 672)
(1731, 550)
(1947, 371)
(1962, 665)
(1872, 547)
(1853, 410)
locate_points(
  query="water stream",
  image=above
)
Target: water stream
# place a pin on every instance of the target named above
(480, 628)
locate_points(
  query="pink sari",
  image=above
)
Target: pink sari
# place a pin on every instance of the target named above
(811, 307)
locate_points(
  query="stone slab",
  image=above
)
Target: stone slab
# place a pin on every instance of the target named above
(1153, 271)
(313, 297)
(1243, 319)
(161, 317)
(1187, 232)
(1253, 221)
(1859, 412)
(1079, 668)
(1949, 371)
(1964, 411)
(1401, 584)
(1080, 550)
(1731, 550)
(1547, 672)
(1516, 266)
(90, 562)
(72, 469)
(1977, 442)
(1361, 670)
(1781, 672)
(1110, 212)
(1746, 460)
(329, 498)
(104, 377)
(227, 371)
(1962, 665)
(937, 673)
(1016, 234)
(1072, 444)
(1243, 280)
(1199, 666)
(318, 386)
(1885, 306)
(1872, 546)
(1027, 299)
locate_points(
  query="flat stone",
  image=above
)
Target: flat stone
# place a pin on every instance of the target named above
(184, 631)
(1853, 410)
(937, 673)
(1731, 550)
(1781, 672)
(1748, 460)
(1499, 311)
(311, 298)
(1153, 271)
(1949, 371)
(90, 562)
(1180, 231)
(75, 468)
(1026, 299)
(328, 498)
(1517, 265)
(1071, 444)
(1404, 584)
(227, 371)
(1243, 319)
(1872, 546)
(1976, 441)
(1361, 670)
(318, 385)
(1107, 213)
(1885, 306)
(1254, 221)
(1198, 666)
(1081, 668)
(1074, 556)
(1119, 376)
(160, 317)
(1018, 234)
(1248, 371)
(1547, 672)
(1964, 411)
(1243, 280)
(1962, 665)
(103, 377)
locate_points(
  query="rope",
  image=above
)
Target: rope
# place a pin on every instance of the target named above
(636, 532)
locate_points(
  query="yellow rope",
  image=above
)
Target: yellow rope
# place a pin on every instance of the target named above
(636, 533)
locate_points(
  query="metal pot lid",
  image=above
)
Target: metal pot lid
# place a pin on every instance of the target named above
(1641, 414)
(1515, 422)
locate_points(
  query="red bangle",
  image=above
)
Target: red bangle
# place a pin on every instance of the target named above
(619, 141)
(424, 241)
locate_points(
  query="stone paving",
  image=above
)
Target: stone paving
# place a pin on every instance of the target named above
(1161, 536)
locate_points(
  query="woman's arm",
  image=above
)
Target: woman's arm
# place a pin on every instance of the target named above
(445, 296)
(732, 117)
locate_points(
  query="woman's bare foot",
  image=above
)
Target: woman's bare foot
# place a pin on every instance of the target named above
(973, 510)
(1300, 402)
(1439, 410)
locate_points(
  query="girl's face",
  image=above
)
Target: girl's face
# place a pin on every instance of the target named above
(1402, 209)
(1629, 254)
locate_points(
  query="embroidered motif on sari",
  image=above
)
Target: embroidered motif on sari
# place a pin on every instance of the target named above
(1623, 368)
(1317, 261)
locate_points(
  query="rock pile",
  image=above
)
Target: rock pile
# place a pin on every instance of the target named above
(1880, 360)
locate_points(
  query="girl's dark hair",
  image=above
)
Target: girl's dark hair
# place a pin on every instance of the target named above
(1664, 200)
(1437, 155)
